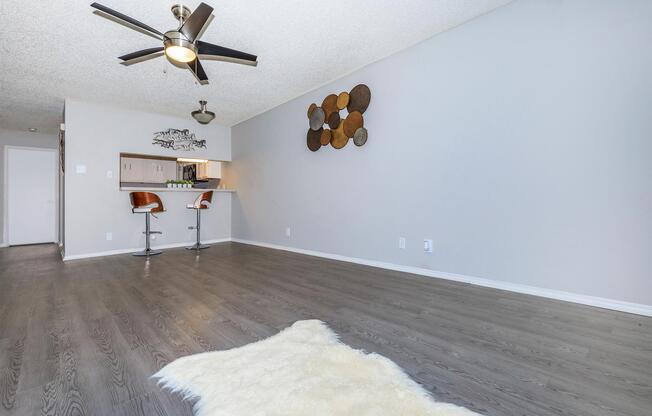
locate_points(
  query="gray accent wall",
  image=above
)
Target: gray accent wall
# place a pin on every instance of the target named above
(520, 143)
(19, 138)
(94, 204)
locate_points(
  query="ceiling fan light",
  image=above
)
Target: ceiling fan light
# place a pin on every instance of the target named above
(178, 49)
(180, 54)
(203, 116)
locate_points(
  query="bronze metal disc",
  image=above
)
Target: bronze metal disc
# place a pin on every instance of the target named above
(317, 118)
(359, 99)
(338, 138)
(342, 100)
(311, 109)
(325, 137)
(360, 136)
(353, 122)
(334, 120)
(329, 105)
(312, 139)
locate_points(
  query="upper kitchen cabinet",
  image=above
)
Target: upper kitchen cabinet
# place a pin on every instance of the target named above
(132, 169)
(159, 171)
(147, 170)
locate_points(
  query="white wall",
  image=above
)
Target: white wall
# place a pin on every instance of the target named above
(19, 138)
(94, 205)
(520, 142)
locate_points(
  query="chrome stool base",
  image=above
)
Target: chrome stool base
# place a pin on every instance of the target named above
(147, 253)
(197, 246)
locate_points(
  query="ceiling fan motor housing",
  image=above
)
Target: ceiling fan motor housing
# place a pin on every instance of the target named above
(176, 38)
(180, 12)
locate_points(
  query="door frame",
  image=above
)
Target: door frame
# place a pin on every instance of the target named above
(5, 194)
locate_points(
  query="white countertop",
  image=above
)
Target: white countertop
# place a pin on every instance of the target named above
(162, 189)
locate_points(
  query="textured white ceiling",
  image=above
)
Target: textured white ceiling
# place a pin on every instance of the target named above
(50, 50)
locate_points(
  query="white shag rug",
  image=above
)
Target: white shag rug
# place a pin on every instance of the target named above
(302, 371)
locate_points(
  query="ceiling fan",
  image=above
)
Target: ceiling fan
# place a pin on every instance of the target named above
(181, 46)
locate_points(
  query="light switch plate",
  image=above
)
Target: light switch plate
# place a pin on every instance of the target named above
(401, 243)
(80, 168)
(427, 246)
(109, 174)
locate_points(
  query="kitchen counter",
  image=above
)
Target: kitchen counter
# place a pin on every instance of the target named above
(165, 189)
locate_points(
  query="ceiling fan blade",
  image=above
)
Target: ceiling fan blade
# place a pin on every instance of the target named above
(130, 22)
(220, 53)
(140, 56)
(193, 26)
(196, 68)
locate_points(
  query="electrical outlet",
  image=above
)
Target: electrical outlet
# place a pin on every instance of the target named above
(288, 232)
(401, 243)
(427, 246)
(80, 169)
(109, 174)
(109, 236)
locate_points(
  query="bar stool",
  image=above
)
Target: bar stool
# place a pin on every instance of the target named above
(146, 203)
(202, 202)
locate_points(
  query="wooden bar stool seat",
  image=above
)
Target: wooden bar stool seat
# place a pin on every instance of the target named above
(203, 201)
(146, 203)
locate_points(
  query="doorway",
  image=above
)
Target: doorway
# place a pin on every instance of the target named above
(30, 195)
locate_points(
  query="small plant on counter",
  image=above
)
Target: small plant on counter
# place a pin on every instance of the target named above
(178, 184)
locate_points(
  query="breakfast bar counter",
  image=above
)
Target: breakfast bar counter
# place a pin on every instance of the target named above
(165, 189)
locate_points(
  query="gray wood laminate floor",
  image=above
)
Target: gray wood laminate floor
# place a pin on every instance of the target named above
(83, 337)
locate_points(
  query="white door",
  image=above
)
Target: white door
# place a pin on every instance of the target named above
(31, 196)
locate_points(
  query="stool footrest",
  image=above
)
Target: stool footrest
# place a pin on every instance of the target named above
(153, 232)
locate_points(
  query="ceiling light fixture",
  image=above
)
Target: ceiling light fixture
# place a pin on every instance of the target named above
(203, 116)
(33, 129)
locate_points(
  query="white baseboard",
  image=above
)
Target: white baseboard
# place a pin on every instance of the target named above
(2, 245)
(616, 305)
(133, 250)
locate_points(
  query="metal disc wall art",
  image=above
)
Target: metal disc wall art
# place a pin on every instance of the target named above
(342, 100)
(360, 136)
(313, 139)
(317, 118)
(353, 122)
(325, 138)
(329, 105)
(342, 128)
(359, 98)
(311, 109)
(338, 138)
(334, 120)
